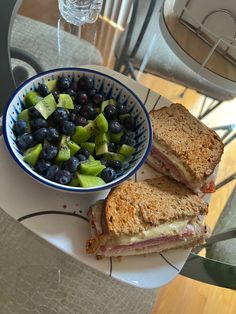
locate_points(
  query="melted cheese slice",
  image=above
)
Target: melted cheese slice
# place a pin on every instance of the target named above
(161, 230)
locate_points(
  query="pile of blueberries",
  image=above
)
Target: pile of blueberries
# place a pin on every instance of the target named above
(64, 121)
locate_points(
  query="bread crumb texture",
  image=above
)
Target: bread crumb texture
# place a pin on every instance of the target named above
(199, 148)
(133, 207)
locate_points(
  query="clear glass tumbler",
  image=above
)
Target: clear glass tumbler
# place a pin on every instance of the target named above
(78, 12)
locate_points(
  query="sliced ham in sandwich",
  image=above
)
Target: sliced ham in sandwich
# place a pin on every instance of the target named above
(150, 216)
(184, 148)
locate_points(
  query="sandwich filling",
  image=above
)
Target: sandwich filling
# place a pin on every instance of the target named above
(167, 163)
(162, 237)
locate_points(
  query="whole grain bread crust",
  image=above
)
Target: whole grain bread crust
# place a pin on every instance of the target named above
(198, 147)
(133, 207)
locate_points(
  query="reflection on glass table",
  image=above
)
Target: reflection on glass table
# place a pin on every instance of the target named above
(129, 37)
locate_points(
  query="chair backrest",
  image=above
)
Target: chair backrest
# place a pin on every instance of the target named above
(7, 83)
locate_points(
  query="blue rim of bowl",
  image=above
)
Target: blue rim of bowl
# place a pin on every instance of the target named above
(65, 187)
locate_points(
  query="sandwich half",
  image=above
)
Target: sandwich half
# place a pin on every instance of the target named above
(154, 215)
(184, 148)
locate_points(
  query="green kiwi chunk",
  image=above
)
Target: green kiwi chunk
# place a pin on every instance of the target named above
(101, 123)
(74, 147)
(101, 149)
(63, 154)
(32, 98)
(89, 145)
(74, 181)
(32, 154)
(126, 150)
(65, 101)
(93, 168)
(24, 115)
(46, 106)
(116, 137)
(81, 134)
(114, 156)
(51, 85)
(88, 181)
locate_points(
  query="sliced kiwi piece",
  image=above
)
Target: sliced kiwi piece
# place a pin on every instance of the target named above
(32, 98)
(107, 102)
(101, 138)
(91, 158)
(89, 145)
(101, 149)
(63, 154)
(101, 123)
(81, 134)
(46, 106)
(88, 181)
(126, 150)
(65, 101)
(114, 156)
(74, 181)
(74, 147)
(31, 155)
(24, 115)
(116, 137)
(51, 85)
(91, 168)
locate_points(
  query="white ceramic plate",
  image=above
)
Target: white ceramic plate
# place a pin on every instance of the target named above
(60, 218)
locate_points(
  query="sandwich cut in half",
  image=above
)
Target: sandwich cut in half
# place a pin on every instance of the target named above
(154, 215)
(184, 148)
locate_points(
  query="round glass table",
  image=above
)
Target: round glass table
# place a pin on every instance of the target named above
(138, 39)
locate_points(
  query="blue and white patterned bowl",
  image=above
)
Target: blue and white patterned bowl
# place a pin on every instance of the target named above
(110, 88)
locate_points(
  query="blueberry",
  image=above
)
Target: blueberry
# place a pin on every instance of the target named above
(97, 99)
(122, 109)
(88, 112)
(49, 152)
(25, 140)
(130, 123)
(60, 114)
(43, 90)
(56, 95)
(82, 121)
(38, 123)
(51, 172)
(76, 109)
(110, 112)
(91, 93)
(80, 157)
(85, 83)
(40, 135)
(103, 161)
(84, 151)
(112, 147)
(71, 164)
(42, 166)
(53, 136)
(115, 127)
(83, 98)
(108, 174)
(115, 164)
(63, 177)
(63, 83)
(67, 128)
(72, 93)
(126, 139)
(34, 113)
(20, 127)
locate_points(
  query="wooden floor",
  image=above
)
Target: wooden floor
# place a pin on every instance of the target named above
(182, 295)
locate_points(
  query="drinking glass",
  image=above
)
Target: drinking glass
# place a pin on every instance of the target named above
(78, 12)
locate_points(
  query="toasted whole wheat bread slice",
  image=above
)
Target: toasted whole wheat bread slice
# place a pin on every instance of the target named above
(198, 147)
(134, 207)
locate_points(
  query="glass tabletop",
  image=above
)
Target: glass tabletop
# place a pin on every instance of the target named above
(127, 37)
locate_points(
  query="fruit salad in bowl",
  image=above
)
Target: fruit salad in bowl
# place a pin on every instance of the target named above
(77, 130)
